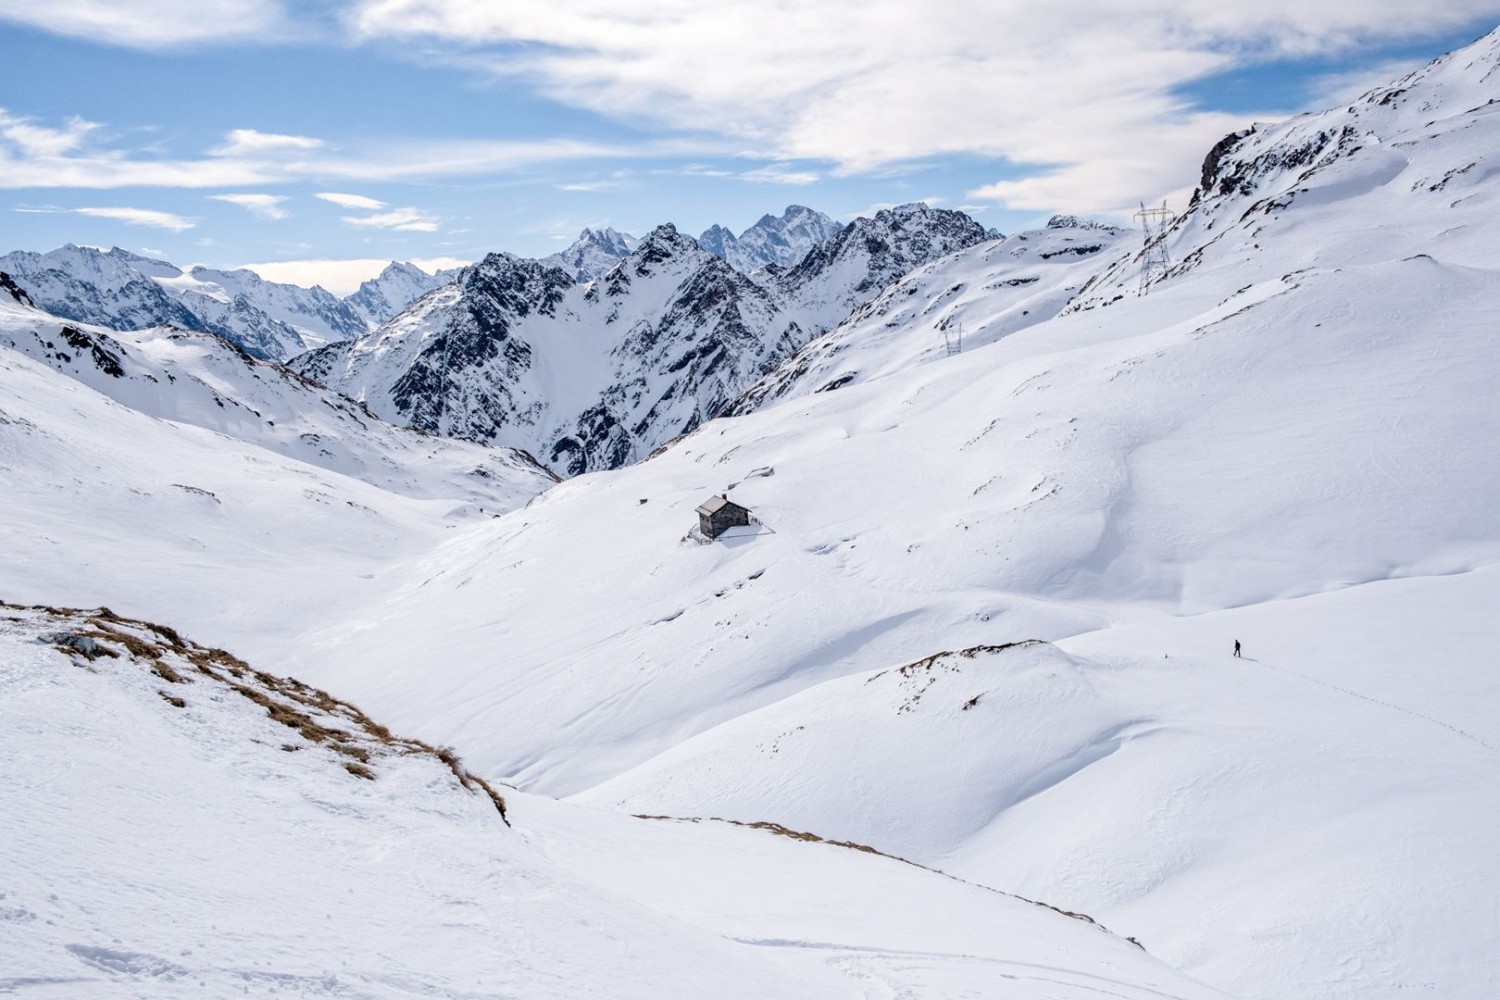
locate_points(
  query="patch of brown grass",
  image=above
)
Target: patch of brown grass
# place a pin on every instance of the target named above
(288, 701)
(813, 838)
(134, 645)
(164, 670)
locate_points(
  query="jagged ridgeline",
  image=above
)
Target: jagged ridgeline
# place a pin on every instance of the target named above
(598, 374)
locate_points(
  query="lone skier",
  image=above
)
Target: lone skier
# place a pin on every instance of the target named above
(1236, 647)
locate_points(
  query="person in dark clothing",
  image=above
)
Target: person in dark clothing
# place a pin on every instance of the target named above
(1236, 647)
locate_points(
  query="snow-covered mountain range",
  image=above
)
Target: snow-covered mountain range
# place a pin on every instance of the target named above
(205, 381)
(985, 617)
(598, 374)
(125, 291)
(594, 252)
(780, 241)
(392, 290)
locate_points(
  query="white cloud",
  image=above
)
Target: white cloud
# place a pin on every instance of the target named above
(79, 154)
(31, 139)
(351, 200)
(242, 142)
(342, 276)
(779, 174)
(607, 185)
(405, 220)
(149, 24)
(1078, 97)
(141, 217)
(264, 206)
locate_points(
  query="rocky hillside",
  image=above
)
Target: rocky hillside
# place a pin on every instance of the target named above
(599, 374)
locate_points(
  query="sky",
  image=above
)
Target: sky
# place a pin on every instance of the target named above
(317, 141)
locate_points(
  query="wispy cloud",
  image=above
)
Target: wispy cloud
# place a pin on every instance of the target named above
(608, 185)
(141, 217)
(776, 173)
(79, 154)
(771, 173)
(405, 220)
(150, 24)
(32, 139)
(1087, 106)
(351, 200)
(263, 206)
(247, 142)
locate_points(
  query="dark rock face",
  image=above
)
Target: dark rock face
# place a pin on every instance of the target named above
(1215, 158)
(431, 394)
(599, 374)
(8, 285)
(104, 359)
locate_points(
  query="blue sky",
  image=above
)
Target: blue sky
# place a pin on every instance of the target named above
(329, 137)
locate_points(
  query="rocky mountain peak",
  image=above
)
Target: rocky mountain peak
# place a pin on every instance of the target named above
(782, 241)
(594, 252)
(849, 269)
(1077, 222)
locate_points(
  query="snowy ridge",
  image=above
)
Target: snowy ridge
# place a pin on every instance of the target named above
(838, 276)
(205, 381)
(94, 286)
(125, 291)
(594, 252)
(778, 241)
(273, 320)
(1421, 148)
(597, 375)
(589, 376)
(395, 288)
(962, 302)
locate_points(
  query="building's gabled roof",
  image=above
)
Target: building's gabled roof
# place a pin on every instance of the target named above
(715, 504)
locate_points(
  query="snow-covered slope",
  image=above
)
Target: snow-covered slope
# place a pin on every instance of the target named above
(194, 826)
(94, 286)
(1302, 407)
(837, 276)
(964, 301)
(125, 291)
(317, 316)
(594, 252)
(985, 614)
(780, 241)
(203, 380)
(395, 288)
(598, 375)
